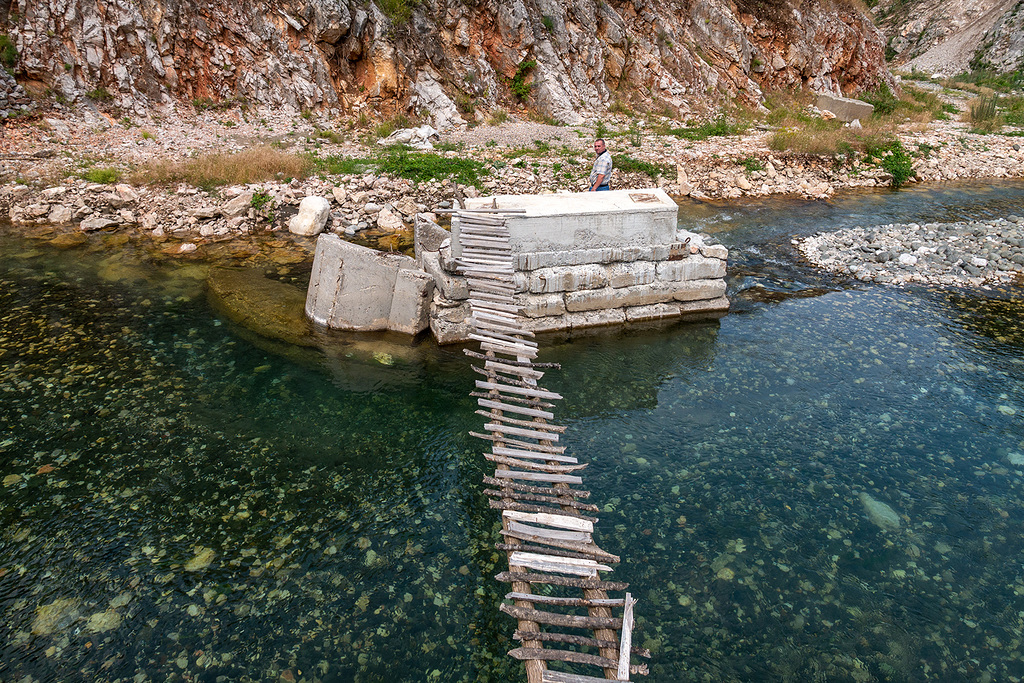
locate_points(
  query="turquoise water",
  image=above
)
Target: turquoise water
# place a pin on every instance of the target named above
(183, 501)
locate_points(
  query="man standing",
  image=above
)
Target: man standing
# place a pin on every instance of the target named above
(602, 168)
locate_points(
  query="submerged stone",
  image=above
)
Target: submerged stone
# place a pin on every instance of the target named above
(879, 513)
(270, 308)
(59, 614)
(202, 559)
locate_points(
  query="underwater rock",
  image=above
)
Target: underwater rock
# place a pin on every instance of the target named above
(59, 614)
(202, 560)
(271, 309)
(101, 622)
(879, 513)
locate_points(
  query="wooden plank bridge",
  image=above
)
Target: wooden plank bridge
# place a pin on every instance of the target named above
(547, 525)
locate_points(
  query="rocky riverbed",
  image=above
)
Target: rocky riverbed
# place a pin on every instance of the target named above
(961, 253)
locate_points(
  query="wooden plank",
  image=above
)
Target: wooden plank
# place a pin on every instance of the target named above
(523, 445)
(524, 363)
(584, 641)
(484, 326)
(492, 306)
(514, 381)
(516, 486)
(550, 534)
(546, 550)
(554, 655)
(549, 676)
(556, 619)
(555, 580)
(519, 431)
(626, 641)
(507, 339)
(519, 410)
(513, 369)
(530, 455)
(531, 402)
(511, 494)
(539, 476)
(564, 602)
(535, 466)
(575, 546)
(497, 503)
(494, 415)
(521, 391)
(554, 520)
(504, 347)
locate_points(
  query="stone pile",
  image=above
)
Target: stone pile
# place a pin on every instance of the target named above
(962, 253)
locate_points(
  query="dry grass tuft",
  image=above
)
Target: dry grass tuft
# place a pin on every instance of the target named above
(253, 165)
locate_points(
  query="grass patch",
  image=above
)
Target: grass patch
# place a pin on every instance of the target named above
(398, 11)
(985, 78)
(716, 127)
(397, 122)
(336, 165)
(99, 94)
(983, 114)
(497, 117)
(898, 163)
(1013, 111)
(751, 164)
(421, 166)
(253, 165)
(627, 164)
(105, 176)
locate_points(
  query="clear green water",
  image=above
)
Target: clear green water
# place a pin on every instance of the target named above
(224, 506)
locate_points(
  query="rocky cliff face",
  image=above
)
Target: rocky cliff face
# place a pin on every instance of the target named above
(954, 36)
(448, 58)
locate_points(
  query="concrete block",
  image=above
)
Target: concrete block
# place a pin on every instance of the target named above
(696, 290)
(567, 279)
(652, 312)
(540, 305)
(694, 267)
(428, 235)
(451, 286)
(608, 297)
(611, 316)
(720, 304)
(845, 108)
(578, 257)
(410, 306)
(629, 274)
(551, 323)
(352, 287)
(560, 222)
(449, 325)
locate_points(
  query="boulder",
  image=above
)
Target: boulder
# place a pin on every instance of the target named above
(96, 223)
(237, 206)
(388, 219)
(311, 218)
(59, 214)
(845, 108)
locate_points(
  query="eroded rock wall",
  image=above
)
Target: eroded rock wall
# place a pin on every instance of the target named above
(451, 58)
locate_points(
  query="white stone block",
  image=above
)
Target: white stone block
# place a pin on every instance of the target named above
(608, 297)
(629, 274)
(720, 304)
(540, 305)
(567, 279)
(410, 306)
(612, 316)
(691, 268)
(695, 290)
(652, 312)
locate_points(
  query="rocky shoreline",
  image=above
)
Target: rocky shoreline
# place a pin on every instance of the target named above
(973, 253)
(41, 171)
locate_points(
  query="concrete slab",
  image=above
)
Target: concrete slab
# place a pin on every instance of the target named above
(594, 220)
(410, 306)
(845, 108)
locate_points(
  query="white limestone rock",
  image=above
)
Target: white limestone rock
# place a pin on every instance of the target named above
(312, 217)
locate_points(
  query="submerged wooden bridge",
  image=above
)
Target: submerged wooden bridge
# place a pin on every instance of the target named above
(553, 561)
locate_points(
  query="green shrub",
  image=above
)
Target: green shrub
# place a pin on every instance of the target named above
(398, 11)
(421, 166)
(882, 98)
(549, 23)
(983, 114)
(8, 53)
(99, 94)
(518, 84)
(899, 164)
(106, 176)
(627, 164)
(751, 164)
(717, 127)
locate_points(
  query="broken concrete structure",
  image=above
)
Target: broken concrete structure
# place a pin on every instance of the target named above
(845, 108)
(581, 260)
(584, 259)
(361, 289)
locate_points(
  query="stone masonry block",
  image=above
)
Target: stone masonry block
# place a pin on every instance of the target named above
(450, 325)
(696, 290)
(612, 316)
(578, 257)
(410, 306)
(704, 306)
(608, 297)
(540, 305)
(428, 235)
(652, 312)
(629, 274)
(692, 268)
(845, 108)
(567, 279)
(551, 323)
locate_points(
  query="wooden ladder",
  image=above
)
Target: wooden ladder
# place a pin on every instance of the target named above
(547, 533)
